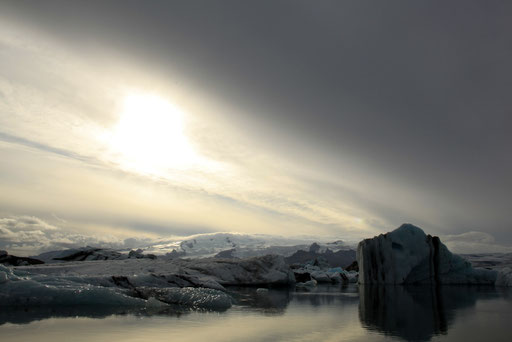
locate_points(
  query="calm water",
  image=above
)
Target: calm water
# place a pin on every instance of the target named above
(325, 314)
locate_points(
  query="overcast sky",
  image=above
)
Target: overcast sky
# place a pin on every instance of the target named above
(327, 118)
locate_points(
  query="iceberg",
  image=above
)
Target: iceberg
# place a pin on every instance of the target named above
(196, 283)
(38, 290)
(197, 298)
(504, 277)
(21, 290)
(409, 256)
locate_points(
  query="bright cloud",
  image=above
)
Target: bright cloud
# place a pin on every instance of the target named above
(75, 143)
(80, 113)
(28, 235)
(474, 242)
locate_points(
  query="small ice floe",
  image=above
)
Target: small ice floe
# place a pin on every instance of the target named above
(306, 285)
(198, 298)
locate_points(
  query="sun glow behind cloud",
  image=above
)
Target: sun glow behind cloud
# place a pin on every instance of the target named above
(150, 138)
(161, 155)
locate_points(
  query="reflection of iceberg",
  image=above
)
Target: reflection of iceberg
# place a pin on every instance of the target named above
(416, 313)
(272, 302)
(327, 295)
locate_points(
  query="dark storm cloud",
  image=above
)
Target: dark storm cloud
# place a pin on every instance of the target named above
(417, 92)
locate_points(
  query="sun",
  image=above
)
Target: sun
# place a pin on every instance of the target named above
(149, 136)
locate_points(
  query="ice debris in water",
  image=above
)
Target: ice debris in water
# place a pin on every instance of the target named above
(21, 288)
(200, 298)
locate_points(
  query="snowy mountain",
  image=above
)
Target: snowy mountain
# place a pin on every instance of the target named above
(220, 245)
(241, 245)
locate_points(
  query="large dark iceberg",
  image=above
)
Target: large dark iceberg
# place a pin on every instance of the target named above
(409, 256)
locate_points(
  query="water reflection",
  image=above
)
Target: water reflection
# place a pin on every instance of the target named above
(417, 313)
(25, 315)
(327, 295)
(273, 302)
(324, 313)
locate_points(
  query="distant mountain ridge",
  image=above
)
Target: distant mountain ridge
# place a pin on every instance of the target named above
(226, 245)
(242, 245)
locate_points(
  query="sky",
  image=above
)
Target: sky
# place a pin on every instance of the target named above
(124, 120)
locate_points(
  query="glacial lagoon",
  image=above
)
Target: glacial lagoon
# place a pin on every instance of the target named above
(324, 313)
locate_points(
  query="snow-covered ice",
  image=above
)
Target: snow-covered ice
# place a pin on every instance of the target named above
(308, 272)
(239, 245)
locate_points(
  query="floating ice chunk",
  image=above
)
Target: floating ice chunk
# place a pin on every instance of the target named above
(39, 289)
(202, 298)
(211, 272)
(3, 277)
(504, 277)
(335, 277)
(195, 283)
(307, 284)
(407, 255)
(30, 292)
(265, 270)
(321, 277)
(352, 276)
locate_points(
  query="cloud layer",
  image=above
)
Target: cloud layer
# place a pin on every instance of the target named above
(474, 242)
(336, 118)
(28, 235)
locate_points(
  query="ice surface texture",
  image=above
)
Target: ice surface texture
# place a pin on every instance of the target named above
(18, 288)
(196, 283)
